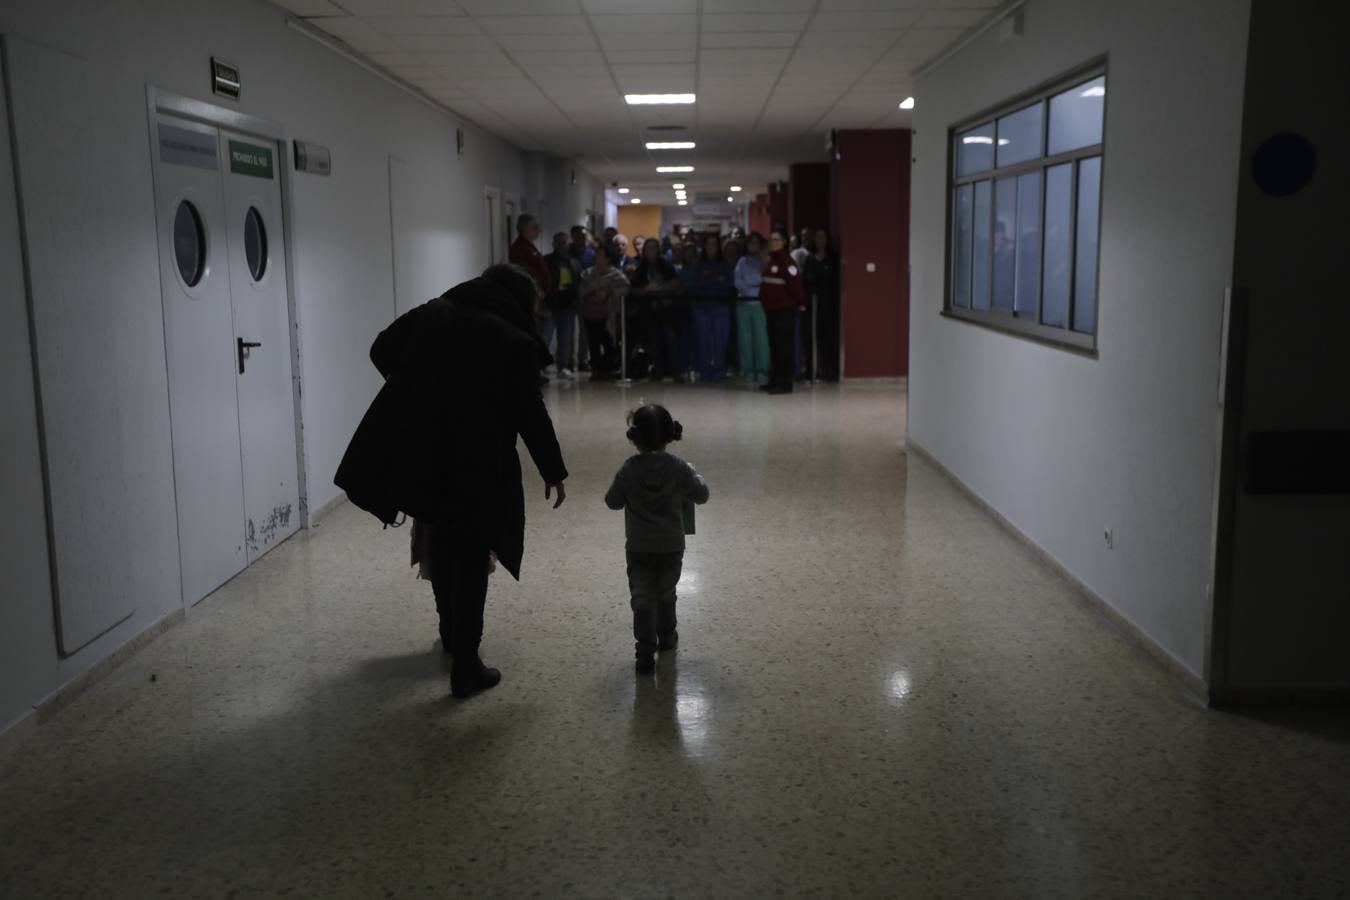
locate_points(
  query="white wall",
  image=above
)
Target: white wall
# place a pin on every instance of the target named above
(1062, 445)
(109, 341)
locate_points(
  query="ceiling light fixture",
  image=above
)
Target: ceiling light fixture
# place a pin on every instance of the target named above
(977, 139)
(730, 199)
(1095, 91)
(735, 188)
(678, 187)
(665, 169)
(684, 202)
(623, 190)
(636, 200)
(658, 99)
(907, 103)
(671, 145)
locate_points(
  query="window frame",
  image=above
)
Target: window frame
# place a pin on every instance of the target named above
(1023, 323)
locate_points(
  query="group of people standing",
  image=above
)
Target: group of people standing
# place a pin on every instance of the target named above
(698, 307)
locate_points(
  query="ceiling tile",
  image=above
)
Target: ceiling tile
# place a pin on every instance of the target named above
(776, 7)
(664, 55)
(444, 43)
(355, 33)
(402, 7)
(768, 70)
(548, 57)
(939, 38)
(740, 57)
(753, 23)
(622, 7)
(311, 7)
(845, 20)
(655, 27)
(748, 39)
(953, 18)
(519, 7)
(677, 41)
(500, 25)
(655, 79)
(423, 25)
(877, 39)
(523, 42)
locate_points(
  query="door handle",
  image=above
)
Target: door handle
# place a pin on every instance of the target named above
(244, 347)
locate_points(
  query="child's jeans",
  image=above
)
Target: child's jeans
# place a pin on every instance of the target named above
(651, 580)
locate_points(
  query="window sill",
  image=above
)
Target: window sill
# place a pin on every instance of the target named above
(1079, 344)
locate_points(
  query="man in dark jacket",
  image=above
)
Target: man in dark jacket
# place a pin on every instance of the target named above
(564, 279)
(439, 444)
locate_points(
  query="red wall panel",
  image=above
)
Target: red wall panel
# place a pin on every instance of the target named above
(808, 196)
(871, 209)
(759, 214)
(778, 205)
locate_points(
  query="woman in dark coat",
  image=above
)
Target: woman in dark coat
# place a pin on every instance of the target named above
(657, 284)
(820, 273)
(439, 444)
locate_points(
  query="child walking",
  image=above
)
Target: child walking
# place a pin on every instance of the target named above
(652, 488)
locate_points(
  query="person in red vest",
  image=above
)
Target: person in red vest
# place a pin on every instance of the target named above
(526, 255)
(782, 296)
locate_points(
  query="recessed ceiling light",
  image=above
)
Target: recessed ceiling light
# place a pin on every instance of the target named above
(671, 145)
(657, 99)
(735, 188)
(678, 187)
(623, 190)
(907, 103)
(674, 168)
(636, 200)
(684, 202)
(730, 199)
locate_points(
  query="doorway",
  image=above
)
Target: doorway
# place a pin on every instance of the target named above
(492, 200)
(224, 288)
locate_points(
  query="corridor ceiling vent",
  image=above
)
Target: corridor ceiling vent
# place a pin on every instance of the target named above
(658, 99)
(671, 145)
(664, 169)
(907, 103)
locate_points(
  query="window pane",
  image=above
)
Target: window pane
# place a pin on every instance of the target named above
(979, 281)
(975, 150)
(1005, 242)
(1058, 241)
(189, 243)
(1085, 245)
(1019, 135)
(1028, 242)
(961, 238)
(1076, 116)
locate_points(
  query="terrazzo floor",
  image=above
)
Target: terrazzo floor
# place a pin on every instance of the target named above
(878, 693)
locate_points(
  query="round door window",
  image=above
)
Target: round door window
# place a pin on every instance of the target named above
(189, 243)
(255, 243)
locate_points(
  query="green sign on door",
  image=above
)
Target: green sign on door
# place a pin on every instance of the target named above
(250, 159)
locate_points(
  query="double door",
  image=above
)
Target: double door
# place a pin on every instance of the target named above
(228, 339)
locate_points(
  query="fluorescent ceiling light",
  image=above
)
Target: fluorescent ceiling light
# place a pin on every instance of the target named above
(636, 200)
(623, 190)
(735, 188)
(1003, 142)
(730, 199)
(674, 168)
(977, 139)
(671, 145)
(678, 187)
(1094, 91)
(684, 202)
(657, 99)
(907, 103)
